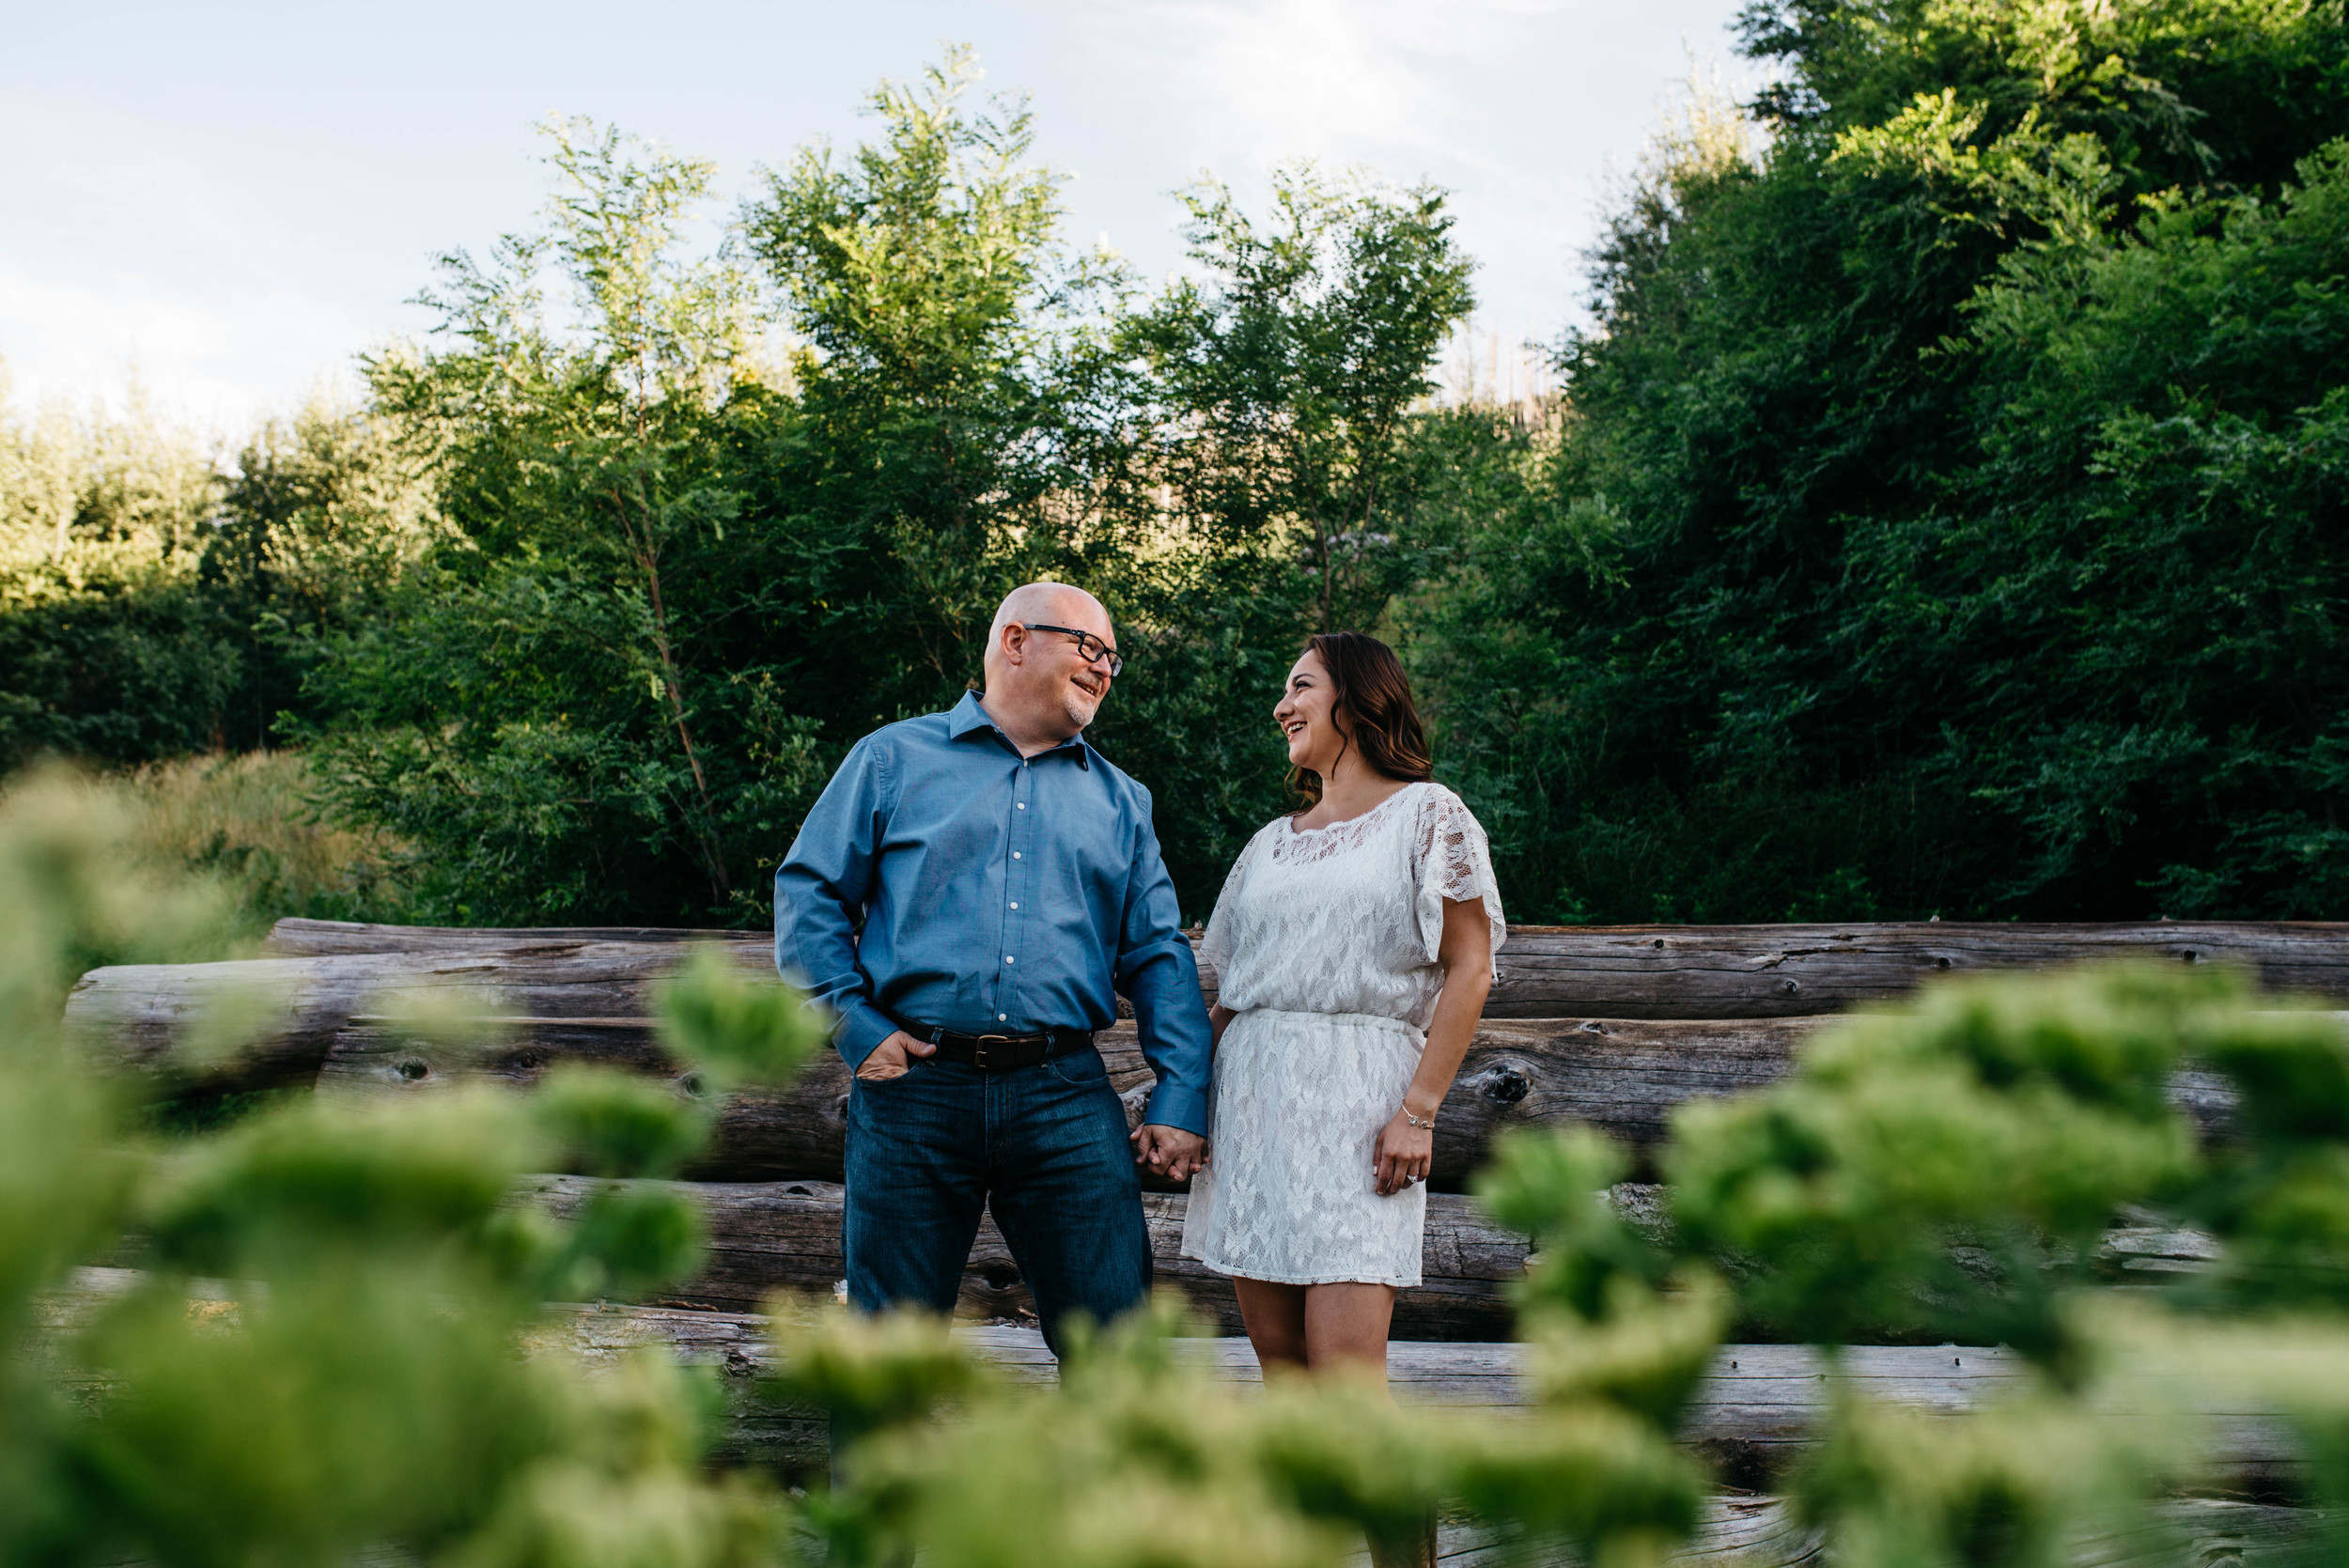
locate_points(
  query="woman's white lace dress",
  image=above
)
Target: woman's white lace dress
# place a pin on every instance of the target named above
(1325, 942)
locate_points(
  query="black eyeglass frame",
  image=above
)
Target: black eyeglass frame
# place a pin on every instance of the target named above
(1087, 643)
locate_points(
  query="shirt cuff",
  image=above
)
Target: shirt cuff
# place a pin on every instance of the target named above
(861, 1027)
(1177, 1104)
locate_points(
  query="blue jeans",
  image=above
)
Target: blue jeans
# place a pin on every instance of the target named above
(1043, 1146)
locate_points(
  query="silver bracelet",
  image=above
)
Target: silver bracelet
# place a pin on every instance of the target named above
(1427, 1120)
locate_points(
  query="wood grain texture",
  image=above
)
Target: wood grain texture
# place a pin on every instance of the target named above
(1679, 971)
(1758, 1399)
(1621, 1076)
(1759, 1407)
(784, 1237)
(132, 1018)
(324, 974)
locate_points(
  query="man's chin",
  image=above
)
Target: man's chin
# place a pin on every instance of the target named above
(1081, 711)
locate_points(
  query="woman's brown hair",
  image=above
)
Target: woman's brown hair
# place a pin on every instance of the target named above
(1367, 680)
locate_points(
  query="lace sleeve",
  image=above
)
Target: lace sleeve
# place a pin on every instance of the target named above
(1215, 947)
(1451, 859)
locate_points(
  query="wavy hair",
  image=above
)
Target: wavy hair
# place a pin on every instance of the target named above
(1368, 682)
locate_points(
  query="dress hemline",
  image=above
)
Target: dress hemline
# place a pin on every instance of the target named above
(1272, 1278)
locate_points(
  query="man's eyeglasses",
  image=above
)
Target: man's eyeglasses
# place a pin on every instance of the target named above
(1092, 648)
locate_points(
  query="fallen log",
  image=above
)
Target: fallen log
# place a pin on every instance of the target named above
(1752, 1417)
(296, 937)
(1758, 1408)
(327, 1018)
(1667, 972)
(771, 1237)
(132, 1015)
(134, 1018)
(1623, 1077)
(767, 1237)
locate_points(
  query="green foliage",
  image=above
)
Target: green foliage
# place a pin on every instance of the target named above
(1141, 1457)
(2006, 1114)
(320, 1358)
(1284, 384)
(735, 1031)
(2018, 1486)
(1941, 515)
(1947, 1166)
(1970, 463)
(153, 604)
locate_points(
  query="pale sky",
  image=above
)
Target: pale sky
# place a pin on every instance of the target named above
(234, 199)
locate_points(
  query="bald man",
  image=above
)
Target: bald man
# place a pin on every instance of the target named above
(969, 896)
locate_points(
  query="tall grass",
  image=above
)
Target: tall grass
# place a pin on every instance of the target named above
(250, 821)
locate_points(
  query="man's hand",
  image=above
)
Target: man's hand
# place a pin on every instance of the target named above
(888, 1059)
(1169, 1151)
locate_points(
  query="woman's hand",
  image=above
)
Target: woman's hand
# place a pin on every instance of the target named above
(1402, 1154)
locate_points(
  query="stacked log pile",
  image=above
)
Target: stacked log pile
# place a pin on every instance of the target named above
(1613, 1025)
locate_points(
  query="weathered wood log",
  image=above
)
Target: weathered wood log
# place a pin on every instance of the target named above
(1754, 1415)
(132, 1015)
(561, 1000)
(1688, 972)
(1757, 1409)
(1621, 1076)
(765, 1238)
(296, 937)
(132, 1018)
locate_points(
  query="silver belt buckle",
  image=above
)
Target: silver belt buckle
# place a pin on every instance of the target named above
(978, 1049)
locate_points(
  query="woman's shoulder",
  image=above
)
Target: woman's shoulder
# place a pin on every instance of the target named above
(1433, 800)
(1438, 809)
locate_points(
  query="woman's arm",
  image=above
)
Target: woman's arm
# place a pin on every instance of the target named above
(1405, 1151)
(1218, 1015)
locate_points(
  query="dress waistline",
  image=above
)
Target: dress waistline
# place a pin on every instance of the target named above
(1379, 1020)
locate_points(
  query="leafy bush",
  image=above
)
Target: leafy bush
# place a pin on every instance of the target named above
(319, 1354)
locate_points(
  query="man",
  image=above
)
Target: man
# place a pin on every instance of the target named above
(967, 895)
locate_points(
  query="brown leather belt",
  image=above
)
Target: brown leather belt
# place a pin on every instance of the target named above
(992, 1053)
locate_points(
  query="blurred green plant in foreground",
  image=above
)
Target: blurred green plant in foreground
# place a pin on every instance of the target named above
(338, 1343)
(320, 1355)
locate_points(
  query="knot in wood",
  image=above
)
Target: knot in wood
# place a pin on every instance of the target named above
(412, 1068)
(1503, 1084)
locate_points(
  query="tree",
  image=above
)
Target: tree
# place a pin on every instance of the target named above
(108, 644)
(1283, 383)
(1859, 639)
(536, 710)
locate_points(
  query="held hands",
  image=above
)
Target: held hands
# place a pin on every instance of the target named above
(1169, 1151)
(1402, 1154)
(888, 1059)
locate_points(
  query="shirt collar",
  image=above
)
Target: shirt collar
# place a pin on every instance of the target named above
(970, 717)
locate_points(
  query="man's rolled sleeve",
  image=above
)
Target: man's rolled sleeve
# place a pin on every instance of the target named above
(820, 892)
(1158, 974)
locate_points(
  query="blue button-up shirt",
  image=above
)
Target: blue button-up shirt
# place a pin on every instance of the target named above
(944, 879)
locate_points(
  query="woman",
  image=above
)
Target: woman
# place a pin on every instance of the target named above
(1344, 933)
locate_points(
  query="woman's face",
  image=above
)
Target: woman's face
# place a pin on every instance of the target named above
(1307, 714)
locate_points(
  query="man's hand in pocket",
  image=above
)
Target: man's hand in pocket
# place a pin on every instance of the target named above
(890, 1058)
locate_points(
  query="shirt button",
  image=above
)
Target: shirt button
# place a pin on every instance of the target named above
(1009, 959)
(1001, 1018)
(1015, 854)
(1023, 805)
(1015, 903)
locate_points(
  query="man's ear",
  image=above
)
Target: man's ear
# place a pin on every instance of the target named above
(1013, 642)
